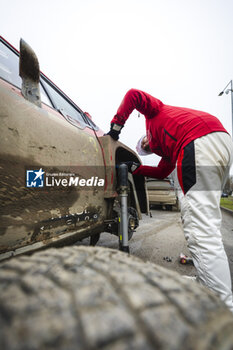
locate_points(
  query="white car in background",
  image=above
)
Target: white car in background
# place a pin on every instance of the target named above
(162, 192)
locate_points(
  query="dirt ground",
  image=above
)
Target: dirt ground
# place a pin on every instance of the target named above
(157, 238)
(227, 233)
(161, 236)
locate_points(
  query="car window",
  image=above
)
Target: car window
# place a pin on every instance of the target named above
(71, 114)
(50, 94)
(66, 107)
(9, 66)
(44, 97)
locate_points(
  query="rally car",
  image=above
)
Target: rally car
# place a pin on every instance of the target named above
(58, 184)
(58, 170)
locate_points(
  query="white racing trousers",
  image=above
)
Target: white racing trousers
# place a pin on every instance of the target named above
(203, 168)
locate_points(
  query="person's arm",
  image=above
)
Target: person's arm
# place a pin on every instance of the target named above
(134, 99)
(161, 171)
(139, 100)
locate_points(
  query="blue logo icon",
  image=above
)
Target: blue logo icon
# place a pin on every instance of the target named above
(35, 178)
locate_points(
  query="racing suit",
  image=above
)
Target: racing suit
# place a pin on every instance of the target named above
(198, 146)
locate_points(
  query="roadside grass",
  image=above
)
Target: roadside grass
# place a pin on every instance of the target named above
(227, 202)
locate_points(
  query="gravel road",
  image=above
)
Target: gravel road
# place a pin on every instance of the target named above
(161, 236)
(227, 233)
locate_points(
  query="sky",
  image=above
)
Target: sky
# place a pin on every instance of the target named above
(179, 51)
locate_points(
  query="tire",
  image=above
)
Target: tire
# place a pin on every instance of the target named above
(168, 207)
(97, 298)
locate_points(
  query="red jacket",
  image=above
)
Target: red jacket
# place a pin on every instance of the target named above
(169, 129)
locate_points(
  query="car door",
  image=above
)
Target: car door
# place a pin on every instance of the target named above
(52, 168)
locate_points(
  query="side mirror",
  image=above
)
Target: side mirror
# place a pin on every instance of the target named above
(29, 71)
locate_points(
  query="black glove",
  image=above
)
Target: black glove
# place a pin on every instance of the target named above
(115, 131)
(132, 166)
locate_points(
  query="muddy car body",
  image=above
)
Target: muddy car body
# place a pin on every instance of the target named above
(58, 170)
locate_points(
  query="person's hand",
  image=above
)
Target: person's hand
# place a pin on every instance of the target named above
(115, 131)
(132, 166)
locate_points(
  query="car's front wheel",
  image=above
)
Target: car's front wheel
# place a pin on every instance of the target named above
(97, 298)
